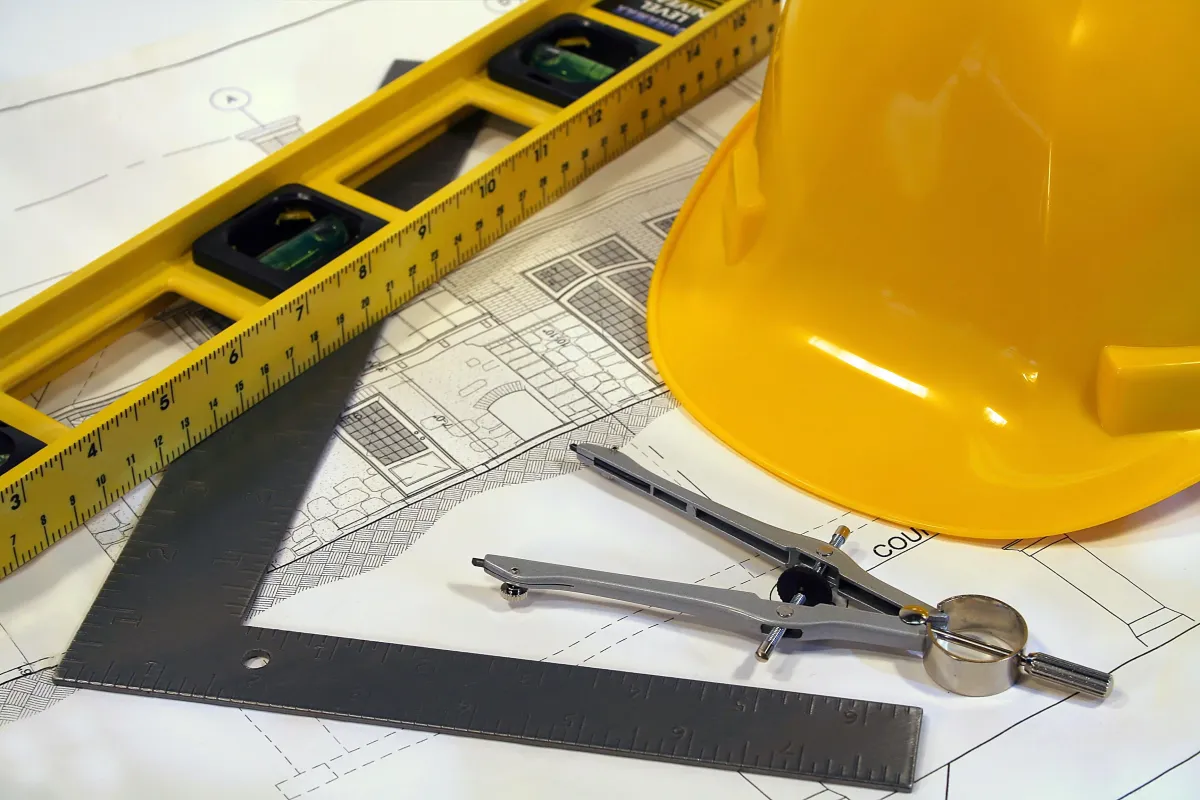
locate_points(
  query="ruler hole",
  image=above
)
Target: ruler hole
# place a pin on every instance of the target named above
(256, 659)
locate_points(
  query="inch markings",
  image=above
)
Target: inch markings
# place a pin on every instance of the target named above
(234, 371)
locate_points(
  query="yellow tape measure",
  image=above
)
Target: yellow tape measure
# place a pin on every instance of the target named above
(80, 471)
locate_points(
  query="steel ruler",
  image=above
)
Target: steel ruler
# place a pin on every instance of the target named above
(170, 622)
(285, 320)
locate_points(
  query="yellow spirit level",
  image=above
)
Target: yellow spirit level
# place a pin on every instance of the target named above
(302, 255)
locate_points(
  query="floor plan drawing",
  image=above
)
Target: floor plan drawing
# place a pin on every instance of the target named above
(531, 354)
(455, 443)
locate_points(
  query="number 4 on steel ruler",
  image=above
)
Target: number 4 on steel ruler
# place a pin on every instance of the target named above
(308, 248)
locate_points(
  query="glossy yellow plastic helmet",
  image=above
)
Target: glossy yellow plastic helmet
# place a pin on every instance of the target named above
(947, 272)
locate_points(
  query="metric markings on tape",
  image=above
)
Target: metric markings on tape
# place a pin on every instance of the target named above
(79, 473)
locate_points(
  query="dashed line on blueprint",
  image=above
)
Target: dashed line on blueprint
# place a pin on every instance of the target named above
(324, 773)
(335, 738)
(269, 739)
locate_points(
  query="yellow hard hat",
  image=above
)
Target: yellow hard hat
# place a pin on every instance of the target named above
(947, 272)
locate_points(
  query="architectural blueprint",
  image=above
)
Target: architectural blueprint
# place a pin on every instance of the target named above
(454, 445)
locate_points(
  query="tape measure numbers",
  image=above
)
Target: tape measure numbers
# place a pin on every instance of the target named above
(398, 253)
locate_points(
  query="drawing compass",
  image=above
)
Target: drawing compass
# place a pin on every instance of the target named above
(970, 644)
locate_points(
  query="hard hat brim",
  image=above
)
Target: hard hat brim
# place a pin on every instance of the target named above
(793, 393)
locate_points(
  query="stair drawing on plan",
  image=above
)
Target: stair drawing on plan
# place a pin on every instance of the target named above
(267, 136)
(273, 136)
(1148, 620)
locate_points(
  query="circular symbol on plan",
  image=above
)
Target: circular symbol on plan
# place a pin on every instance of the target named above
(229, 99)
(501, 6)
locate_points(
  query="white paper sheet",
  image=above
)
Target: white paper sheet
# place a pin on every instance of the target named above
(481, 383)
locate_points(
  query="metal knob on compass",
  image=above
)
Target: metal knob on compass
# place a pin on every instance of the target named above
(785, 610)
(974, 645)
